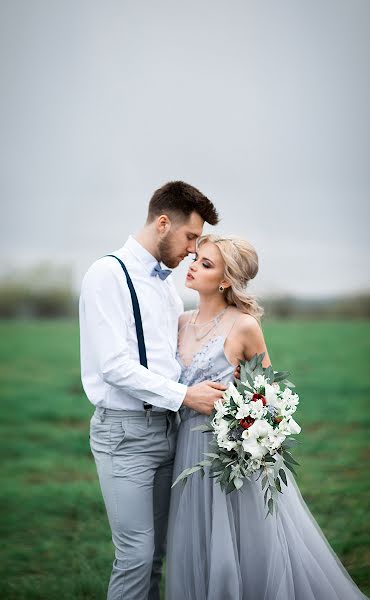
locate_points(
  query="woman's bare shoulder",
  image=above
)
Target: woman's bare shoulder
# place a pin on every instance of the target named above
(247, 324)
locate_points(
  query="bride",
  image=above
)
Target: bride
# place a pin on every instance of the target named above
(222, 547)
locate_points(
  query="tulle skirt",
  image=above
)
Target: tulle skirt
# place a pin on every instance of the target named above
(222, 548)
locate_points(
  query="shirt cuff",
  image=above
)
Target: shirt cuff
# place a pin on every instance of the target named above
(178, 392)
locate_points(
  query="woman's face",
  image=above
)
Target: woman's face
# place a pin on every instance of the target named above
(206, 272)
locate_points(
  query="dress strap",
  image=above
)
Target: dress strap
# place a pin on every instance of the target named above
(232, 325)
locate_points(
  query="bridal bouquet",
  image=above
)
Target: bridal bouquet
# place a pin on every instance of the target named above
(251, 432)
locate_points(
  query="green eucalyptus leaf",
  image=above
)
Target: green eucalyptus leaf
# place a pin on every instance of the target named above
(288, 466)
(253, 362)
(269, 374)
(289, 458)
(238, 482)
(270, 505)
(280, 375)
(288, 383)
(283, 476)
(204, 427)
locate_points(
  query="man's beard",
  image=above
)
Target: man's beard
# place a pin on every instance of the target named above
(167, 251)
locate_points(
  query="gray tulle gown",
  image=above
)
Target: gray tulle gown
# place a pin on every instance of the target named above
(221, 547)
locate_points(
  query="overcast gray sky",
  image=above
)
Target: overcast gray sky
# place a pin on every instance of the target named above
(263, 105)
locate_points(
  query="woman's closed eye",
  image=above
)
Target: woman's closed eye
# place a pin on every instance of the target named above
(204, 264)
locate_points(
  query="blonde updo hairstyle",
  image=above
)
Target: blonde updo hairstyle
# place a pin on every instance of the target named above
(241, 265)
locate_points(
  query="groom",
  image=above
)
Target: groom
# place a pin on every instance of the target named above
(133, 429)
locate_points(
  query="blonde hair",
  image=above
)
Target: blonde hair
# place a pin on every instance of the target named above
(241, 265)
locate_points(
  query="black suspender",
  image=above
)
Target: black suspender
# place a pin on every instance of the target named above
(138, 321)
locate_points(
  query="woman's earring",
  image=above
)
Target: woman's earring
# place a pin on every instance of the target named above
(221, 289)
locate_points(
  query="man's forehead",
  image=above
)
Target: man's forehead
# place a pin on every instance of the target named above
(195, 224)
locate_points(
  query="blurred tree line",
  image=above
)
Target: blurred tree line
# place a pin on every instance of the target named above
(42, 291)
(47, 291)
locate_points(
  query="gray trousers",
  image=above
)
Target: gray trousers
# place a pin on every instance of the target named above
(134, 460)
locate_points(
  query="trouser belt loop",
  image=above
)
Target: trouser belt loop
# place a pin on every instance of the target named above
(148, 414)
(102, 415)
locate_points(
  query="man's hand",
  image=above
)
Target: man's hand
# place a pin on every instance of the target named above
(202, 396)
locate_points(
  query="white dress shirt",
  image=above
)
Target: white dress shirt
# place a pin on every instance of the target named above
(111, 373)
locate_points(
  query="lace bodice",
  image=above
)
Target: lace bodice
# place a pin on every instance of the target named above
(208, 362)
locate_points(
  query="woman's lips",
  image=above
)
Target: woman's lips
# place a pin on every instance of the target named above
(189, 276)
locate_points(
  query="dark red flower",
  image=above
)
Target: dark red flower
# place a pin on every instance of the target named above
(247, 422)
(256, 397)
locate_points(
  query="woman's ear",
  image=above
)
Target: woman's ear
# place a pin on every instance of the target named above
(225, 283)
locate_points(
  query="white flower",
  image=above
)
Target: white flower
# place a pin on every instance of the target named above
(221, 409)
(294, 427)
(290, 402)
(287, 410)
(248, 396)
(286, 394)
(233, 393)
(255, 438)
(289, 426)
(228, 444)
(243, 411)
(259, 429)
(255, 449)
(254, 464)
(259, 381)
(221, 428)
(275, 439)
(257, 409)
(271, 395)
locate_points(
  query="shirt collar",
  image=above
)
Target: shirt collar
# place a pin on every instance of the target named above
(140, 253)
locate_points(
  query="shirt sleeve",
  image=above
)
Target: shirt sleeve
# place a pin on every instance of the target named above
(107, 305)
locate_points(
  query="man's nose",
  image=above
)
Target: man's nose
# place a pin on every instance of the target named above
(192, 247)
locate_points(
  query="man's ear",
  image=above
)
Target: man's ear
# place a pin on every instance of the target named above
(163, 224)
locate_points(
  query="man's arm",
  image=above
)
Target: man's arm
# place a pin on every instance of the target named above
(106, 304)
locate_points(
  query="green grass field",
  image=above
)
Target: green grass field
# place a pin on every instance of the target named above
(55, 536)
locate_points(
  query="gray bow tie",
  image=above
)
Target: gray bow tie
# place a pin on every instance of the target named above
(162, 273)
